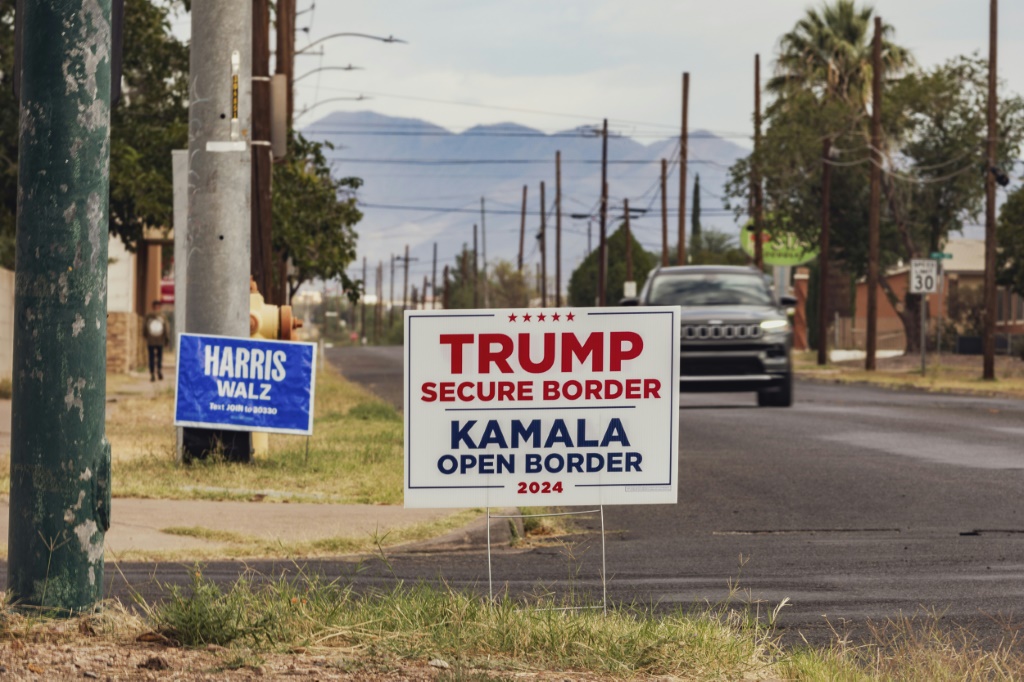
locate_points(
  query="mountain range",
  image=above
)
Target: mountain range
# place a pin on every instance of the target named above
(423, 185)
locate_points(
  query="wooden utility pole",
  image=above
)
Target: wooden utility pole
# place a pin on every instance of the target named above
(684, 143)
(391, 296)
(522, 231)
(823, 252)
(543, 251)
(664, 213)
(379, 317)
(262, 257)
(602, 257)
(444, 286)
(629, 243)
(284, 64)
(362, 316)
(874, 209)
(405, 280)
(558, 229)
(483, 239)
(476, 297)
(425, 285)
(433, 278)
(755, 174)
(989, 338)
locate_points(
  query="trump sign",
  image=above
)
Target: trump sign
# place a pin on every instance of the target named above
(541, 407)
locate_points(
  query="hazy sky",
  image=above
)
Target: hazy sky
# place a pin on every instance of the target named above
(591, 59)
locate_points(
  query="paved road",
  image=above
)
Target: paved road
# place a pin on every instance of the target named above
(855, 504)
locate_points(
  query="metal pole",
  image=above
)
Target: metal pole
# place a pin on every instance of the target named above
(220, 181)
(684, 144)
(602, 263)
(923, 305)
(522, 231)
(876, 191)
(558, 229)
(989, 336)
(490, 582)
(664, 214)
(543, 251)
(938, 323)
(604, 567)
(823, 252)
(60, 457)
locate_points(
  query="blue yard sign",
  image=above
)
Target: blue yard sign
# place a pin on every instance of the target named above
(245, 384)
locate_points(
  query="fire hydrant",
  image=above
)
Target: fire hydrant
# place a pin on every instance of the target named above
(268, 322)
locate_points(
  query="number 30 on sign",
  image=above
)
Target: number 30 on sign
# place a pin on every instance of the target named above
(924, 276)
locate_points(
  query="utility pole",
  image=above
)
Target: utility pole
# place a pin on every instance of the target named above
(522, 231)
(445, 282)
(664, 214)
(602, 257)
(363, 316)
(989, 339)
(755, 175)
(483, 238)
(262, 266)
(433, 278)
(558, 229)
(684, 144)
(874, 207)
(220, 181)
(543, 251)
(476, 297)
(379, 317)
(629, 243)
(60, 457)
(391, 296)
(823, 251)
(405, 281)
(424, 300)
(284, 65)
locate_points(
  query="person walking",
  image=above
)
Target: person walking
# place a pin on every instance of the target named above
(158, 336)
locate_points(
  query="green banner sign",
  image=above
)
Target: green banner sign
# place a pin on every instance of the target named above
(778, 247)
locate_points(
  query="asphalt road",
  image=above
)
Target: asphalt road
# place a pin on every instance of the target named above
(856, 504)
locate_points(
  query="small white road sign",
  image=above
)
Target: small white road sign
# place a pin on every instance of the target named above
(924, 276)
(541, 407)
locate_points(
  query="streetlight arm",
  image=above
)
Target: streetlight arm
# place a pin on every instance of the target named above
(328, 68)
(332, 99)
(389, 39)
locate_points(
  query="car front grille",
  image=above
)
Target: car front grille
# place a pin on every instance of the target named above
(716, 332)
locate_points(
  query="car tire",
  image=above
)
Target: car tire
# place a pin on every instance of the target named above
(781, 396)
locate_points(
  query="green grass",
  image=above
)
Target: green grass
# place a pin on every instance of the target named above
(484, 640)
(355, 454)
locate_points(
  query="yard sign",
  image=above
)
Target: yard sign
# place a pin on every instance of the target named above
(541, 407)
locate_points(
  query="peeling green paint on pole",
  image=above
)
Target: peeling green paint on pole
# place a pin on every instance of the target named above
(60, 458)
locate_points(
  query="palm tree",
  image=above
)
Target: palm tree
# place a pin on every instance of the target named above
(828, 52)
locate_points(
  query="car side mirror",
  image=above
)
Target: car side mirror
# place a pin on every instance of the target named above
(632, 300)
(787, 301)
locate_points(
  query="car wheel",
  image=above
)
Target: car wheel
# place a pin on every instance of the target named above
(781, 396)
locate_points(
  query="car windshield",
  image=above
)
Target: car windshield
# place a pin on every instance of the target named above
(710, 288)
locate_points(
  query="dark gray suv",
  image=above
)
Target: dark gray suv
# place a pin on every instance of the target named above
(735, 335)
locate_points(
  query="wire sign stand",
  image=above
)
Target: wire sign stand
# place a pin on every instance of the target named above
(604, 572)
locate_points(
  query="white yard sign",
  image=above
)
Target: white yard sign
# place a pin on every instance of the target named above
(541, 407)
(924, 276)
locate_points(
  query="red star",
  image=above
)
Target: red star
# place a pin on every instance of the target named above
(541, 317)
(570, 317)
(512, 317)
(556, 317)
(526, 317)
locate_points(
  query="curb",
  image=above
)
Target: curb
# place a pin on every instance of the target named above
(472, 537)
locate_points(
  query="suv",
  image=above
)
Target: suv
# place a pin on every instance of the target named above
(735, 335)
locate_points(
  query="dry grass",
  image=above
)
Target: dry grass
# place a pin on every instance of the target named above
(946, 374)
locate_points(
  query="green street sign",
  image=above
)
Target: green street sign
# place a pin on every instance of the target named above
(938, 255)
(778, 247)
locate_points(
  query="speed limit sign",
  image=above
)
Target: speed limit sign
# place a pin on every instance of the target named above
(924, 276)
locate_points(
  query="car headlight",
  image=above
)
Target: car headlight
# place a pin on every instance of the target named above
(775, 326)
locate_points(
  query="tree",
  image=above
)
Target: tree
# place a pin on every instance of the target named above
(720, 248)
(150, 120)
(695, 229)
(8, 136)
(1011, 242)
(314, 216)
(583, 281)
(507, 286)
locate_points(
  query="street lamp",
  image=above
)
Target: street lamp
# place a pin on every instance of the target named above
(389, 39)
